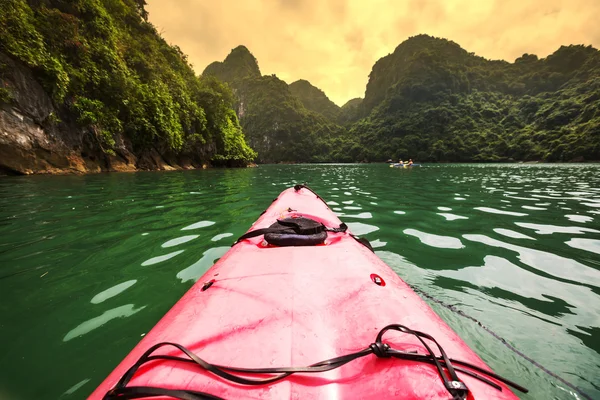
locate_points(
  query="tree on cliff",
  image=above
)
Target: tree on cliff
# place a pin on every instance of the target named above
(105, 66)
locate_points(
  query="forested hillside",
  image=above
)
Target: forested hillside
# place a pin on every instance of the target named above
(314, 99)
(112, 87)
(276, 122)
(350, 111)
(431, 100)
(91, 86)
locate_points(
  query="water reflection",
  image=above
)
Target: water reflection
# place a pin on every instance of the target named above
(112, 292)
(496, 211)
(179, 240)
(220, 236)
(512, 234)
(533, 278)
(209, 257)
(579, 218)
(542, 229)
(159, 259)
(452, 217)
(94, 323)
(364, 215)
(591, 245)
(359, 228)
(75, 387)
(197, 225)
(549, 263)
(429, 239)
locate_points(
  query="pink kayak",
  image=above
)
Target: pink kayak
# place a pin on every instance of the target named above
(276, 311)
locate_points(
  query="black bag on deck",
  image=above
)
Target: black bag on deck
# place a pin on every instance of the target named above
(299, 231)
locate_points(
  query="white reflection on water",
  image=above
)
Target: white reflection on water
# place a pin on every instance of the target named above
(197, 225)
(209, 257)
(552, 264)
(112, 292)
(179, 240)
(541, 229)
(359, 228)
(220, 236)
(442, 242)
(451, 217)
(85, 327)
(512, 234)
(156, 260)
(579, 218)
(496, 211)
(591, 245)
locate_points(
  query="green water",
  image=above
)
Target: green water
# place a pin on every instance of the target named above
(88, 264)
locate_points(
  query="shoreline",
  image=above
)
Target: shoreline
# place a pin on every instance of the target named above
(165, 167)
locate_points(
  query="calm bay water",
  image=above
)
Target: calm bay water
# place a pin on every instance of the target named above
(88, 264)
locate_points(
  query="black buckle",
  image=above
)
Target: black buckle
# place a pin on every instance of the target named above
(456, 385)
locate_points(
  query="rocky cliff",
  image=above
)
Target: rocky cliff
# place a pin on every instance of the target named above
(276, 122)
(91, 86)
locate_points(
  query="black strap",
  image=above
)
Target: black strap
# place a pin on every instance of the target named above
(258, 232)
(363, 241)
(287, 225)
(443, 365)
(455, 386)
(343, 228)
(137, 392)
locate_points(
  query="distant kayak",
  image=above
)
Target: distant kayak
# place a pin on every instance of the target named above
(398, 165)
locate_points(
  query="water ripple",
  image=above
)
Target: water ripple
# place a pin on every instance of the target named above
(549, 263)
(112, 292)
(442, 242)
(159, 259)
(512, 234)
(496, 211)
(197, 225)
(452, 217)
(579, 218)
(591, 245)
(220, 236)
(542, 229)
(179, 240)
(95, 323)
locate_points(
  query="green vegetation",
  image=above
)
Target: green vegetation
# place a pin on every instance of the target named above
(5, 95)
(275, 122)
(314, 99)
(432, 101)
(350, 111)
(107, 68)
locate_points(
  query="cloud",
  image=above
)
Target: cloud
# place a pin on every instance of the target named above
(334, 43)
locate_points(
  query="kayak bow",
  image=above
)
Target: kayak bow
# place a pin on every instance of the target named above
(260, 323)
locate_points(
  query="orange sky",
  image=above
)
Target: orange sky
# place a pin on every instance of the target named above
(334, 43)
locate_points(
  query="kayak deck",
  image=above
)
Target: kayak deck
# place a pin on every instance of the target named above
(295, 306)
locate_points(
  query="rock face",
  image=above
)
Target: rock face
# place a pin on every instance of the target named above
(32, 139)
(91, 86)
(37, 138)
(279, 125)
(238, 65)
